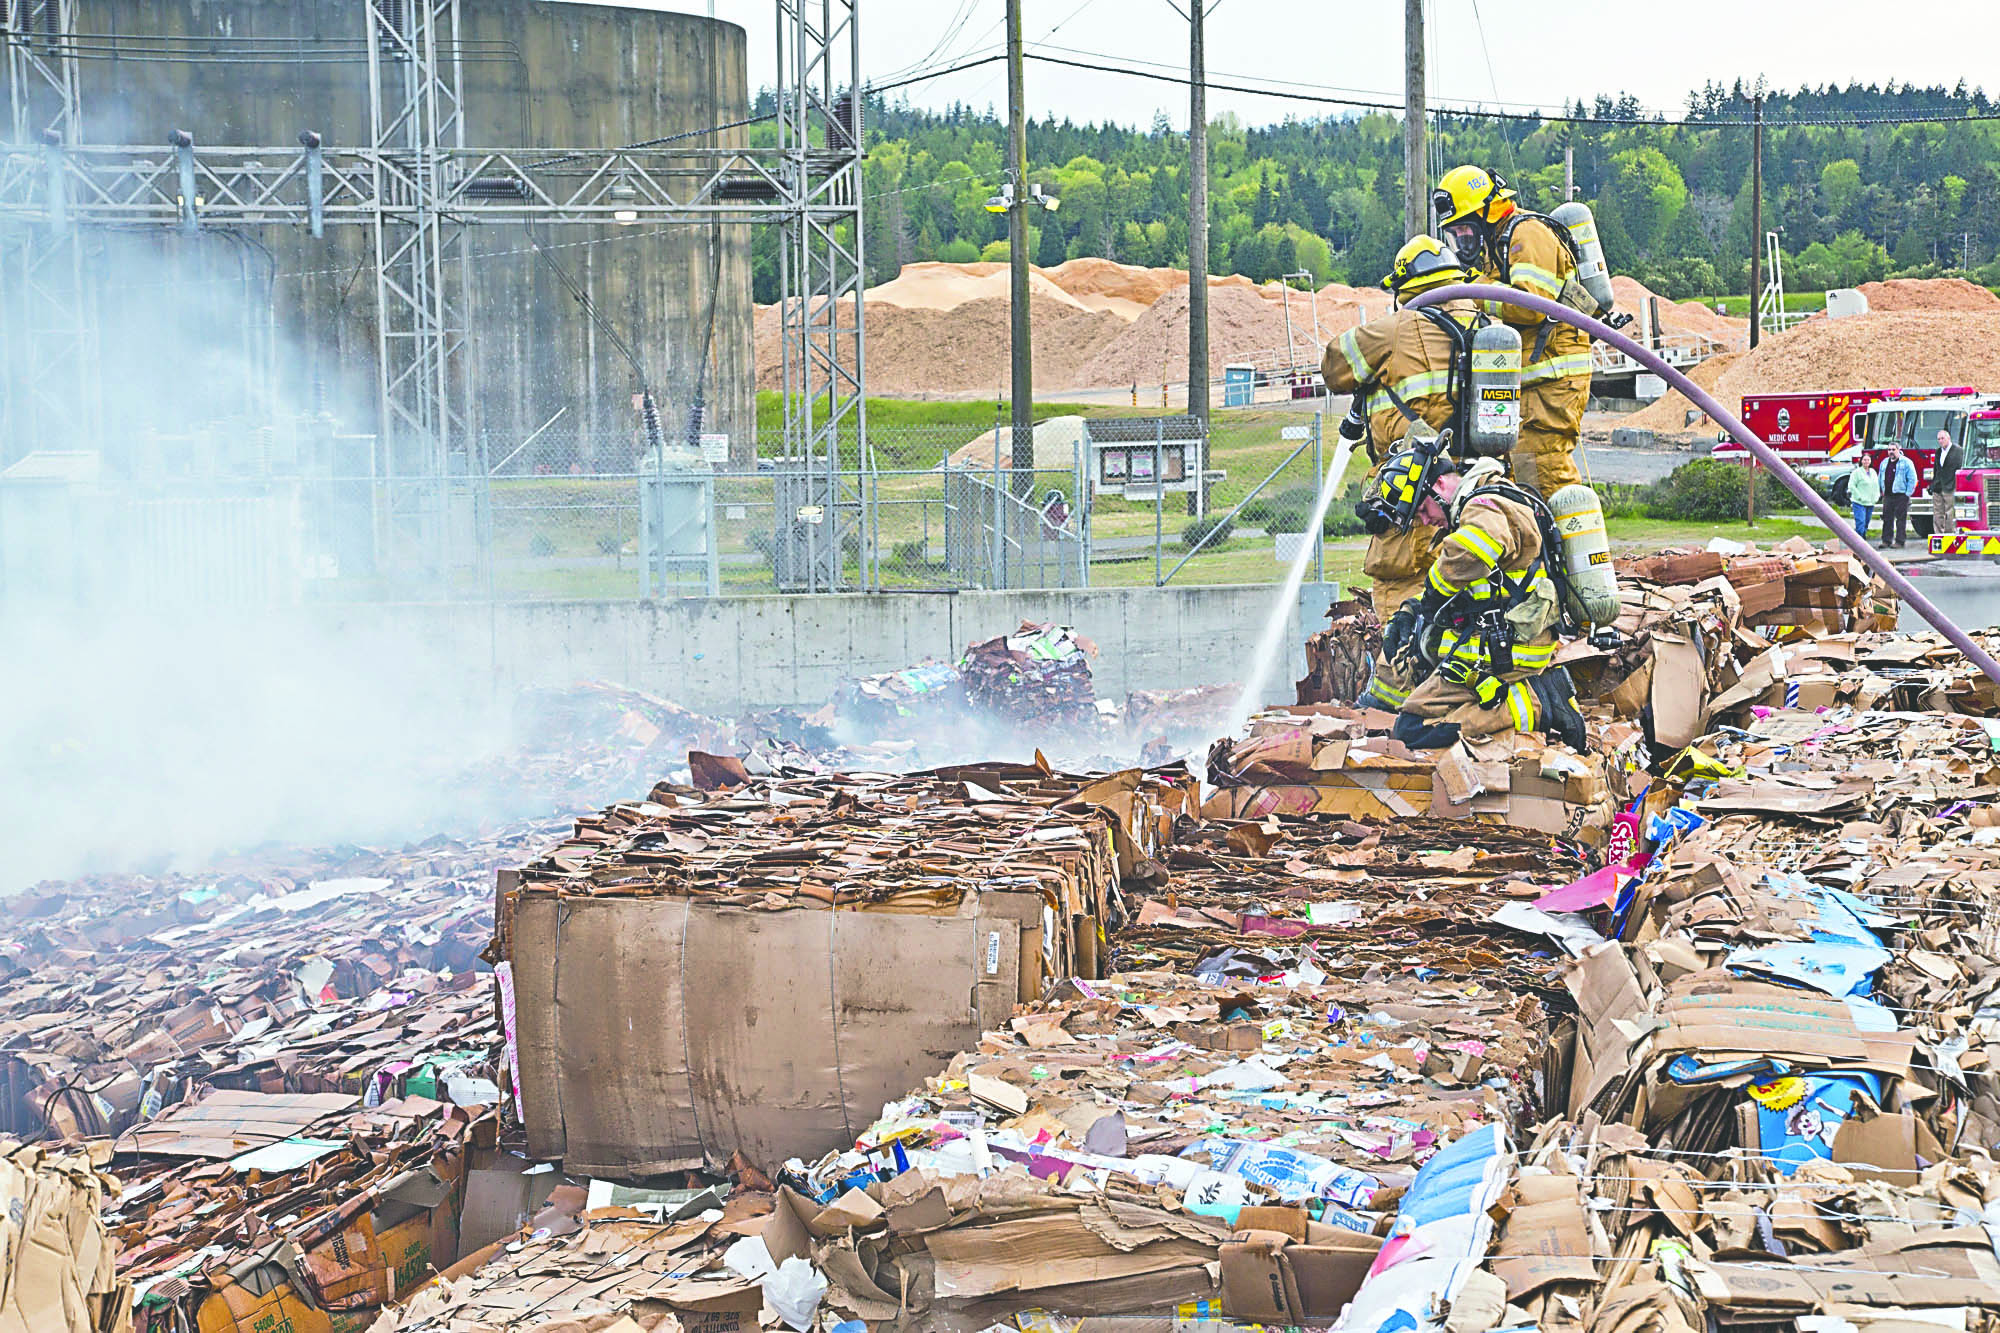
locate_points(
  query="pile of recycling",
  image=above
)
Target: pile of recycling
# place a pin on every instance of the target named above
(1697, 1029)
(1038, 675)
(1729, 1066)
(1331, 760)
(1710, 610)
(274, 1059)
(1258, 1045)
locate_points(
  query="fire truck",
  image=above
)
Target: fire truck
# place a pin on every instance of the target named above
(1977, 497)
(1806, 429)
(1820, 433)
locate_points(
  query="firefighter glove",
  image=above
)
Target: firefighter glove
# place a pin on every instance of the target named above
(1400, 631)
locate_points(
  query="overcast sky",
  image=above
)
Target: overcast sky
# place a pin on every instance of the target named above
(1489, 51)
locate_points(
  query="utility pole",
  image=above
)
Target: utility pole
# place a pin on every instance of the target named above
(1569, 172)
(1197, 389)
(1020, 332)
(1756, 216)
(1416, 167)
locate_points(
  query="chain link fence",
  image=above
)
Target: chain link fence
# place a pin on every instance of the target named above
(1073, 503)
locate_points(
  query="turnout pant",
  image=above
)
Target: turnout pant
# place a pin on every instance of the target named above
(1544, 459)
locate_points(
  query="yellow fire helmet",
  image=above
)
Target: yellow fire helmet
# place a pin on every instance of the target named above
(1468, 191)
(1420, 265)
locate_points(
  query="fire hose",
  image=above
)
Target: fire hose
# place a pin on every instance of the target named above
(1794, 483)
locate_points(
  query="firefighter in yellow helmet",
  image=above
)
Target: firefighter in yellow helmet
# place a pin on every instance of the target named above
(1500, 242)
(1400, 371)
(1484, 628)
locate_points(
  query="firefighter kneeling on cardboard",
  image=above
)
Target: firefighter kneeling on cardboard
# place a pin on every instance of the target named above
(1483, 633)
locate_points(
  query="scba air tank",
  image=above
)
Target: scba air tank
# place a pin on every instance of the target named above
(1591, 270)
(1495, 419)
(1586, 553)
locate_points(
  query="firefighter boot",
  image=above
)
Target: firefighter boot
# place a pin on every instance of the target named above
(1555, 695)
(1421, 734)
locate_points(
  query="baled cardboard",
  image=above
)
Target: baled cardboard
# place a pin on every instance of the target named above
(1679, 691)
(664, 1034)
(1886, 1147)
(1254, 1280)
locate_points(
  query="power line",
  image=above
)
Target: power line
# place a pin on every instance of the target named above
(1482, 113)
(953, 27)
(874, 88)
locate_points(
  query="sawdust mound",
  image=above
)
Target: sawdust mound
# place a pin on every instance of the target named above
(1928, 294)
(1242, 326)
(1872, 351)
(1668, 415)
(937, 286)
(1335, 307)
(922, 351)
(1109, 278)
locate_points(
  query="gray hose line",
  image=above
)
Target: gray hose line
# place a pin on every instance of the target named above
(1794, 483)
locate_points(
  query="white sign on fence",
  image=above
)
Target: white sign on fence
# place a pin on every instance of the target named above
(715, 448)
(1295, 433)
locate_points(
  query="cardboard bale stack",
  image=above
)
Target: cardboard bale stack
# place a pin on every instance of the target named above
(1794, 589)
(57, 1269)
(754, 971)
(342, 970)
(247, 1211)
(1707, 635)
(1037, 676)
(1341, 657)
(1361, 895)
(1329, 760)
(289, 1056)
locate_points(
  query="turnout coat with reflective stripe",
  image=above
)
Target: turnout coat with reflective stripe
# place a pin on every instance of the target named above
(1405, 352)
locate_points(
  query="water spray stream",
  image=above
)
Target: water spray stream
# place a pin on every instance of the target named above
(1809, 497)
(1270, 642)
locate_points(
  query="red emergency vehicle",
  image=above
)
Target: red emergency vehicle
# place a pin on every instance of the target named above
(1804, 428)
(1978, 488)
(1820, 433)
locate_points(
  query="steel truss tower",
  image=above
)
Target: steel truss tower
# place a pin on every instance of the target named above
(416, 186)
(46, 328)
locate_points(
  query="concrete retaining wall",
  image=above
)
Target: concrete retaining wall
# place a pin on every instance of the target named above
(766, 651)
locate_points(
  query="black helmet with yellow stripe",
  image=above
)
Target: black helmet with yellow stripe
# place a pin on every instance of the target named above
(1400, 485)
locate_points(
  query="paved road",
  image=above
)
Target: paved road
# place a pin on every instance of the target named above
(1969, 594)
(1603, 463)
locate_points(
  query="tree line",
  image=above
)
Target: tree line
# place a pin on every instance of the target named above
(1855, 194)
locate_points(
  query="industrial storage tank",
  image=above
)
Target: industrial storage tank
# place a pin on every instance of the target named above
(190, 324)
